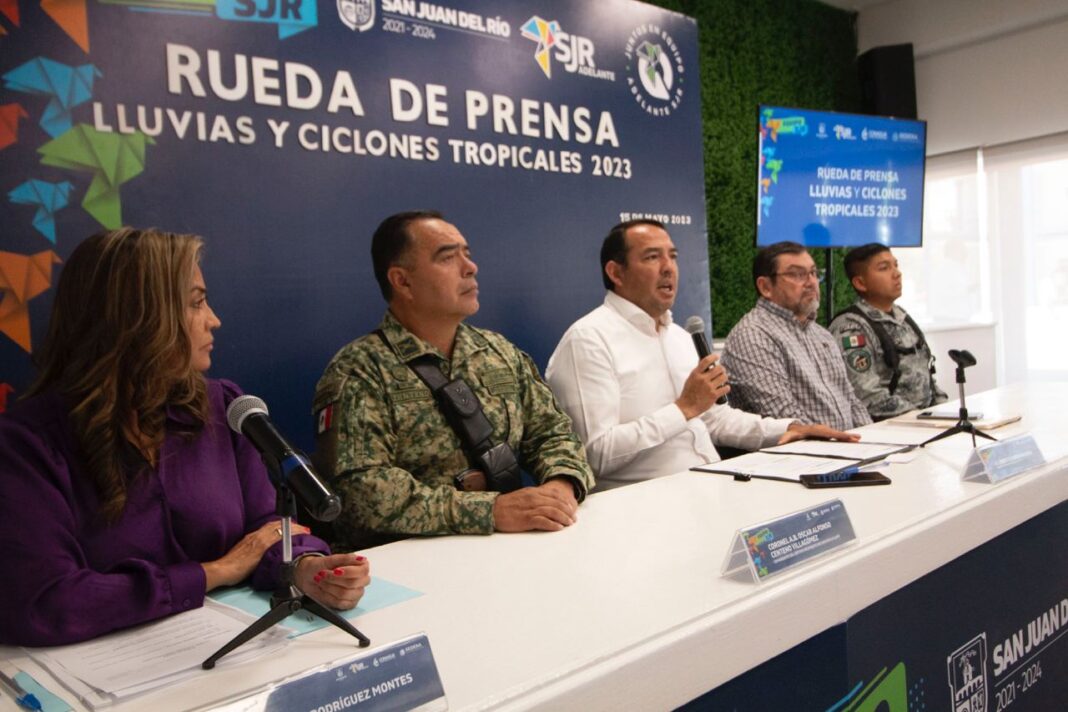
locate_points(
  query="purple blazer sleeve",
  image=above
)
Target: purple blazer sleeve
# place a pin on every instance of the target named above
(71, 576)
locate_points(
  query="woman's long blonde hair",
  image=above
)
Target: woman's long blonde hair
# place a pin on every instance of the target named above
(119, 350)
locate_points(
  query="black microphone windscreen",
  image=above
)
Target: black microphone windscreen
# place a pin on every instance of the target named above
(962, 358)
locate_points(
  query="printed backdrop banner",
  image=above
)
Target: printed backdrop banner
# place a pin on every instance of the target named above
(986, 632)
(283, 131)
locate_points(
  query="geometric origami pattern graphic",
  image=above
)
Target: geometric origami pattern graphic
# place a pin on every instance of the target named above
(49, 199)
(22, 277)
(112, 158)
(9, 123)
(10, 10)
(71, 17)
(64, 85)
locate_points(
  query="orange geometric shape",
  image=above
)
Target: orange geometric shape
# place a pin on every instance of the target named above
(10, 10)
(22, 277)
(5, 389)
(70, 15)
(9, 123)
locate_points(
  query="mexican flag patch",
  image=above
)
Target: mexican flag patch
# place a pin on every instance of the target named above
(326, 419)
(853, 342)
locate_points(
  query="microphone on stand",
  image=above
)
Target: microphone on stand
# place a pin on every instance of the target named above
(248, 415)
(293, 477)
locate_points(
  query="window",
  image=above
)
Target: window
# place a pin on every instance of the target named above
(1028, 216)
(996, 251)
(947, 281)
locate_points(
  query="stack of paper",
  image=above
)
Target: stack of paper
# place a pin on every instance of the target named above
(805, 457)
(114, 667)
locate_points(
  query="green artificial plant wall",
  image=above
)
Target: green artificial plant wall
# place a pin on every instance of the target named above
(797, 53)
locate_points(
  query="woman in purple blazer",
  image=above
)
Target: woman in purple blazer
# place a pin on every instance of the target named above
(124, 496)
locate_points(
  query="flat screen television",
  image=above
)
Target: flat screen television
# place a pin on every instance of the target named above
(827, 179)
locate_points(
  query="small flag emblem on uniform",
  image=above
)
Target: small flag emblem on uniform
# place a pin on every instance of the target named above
(853, 342)
(326, 419)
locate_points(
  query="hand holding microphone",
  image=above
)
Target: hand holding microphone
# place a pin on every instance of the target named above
(707, 384)
(695, 325)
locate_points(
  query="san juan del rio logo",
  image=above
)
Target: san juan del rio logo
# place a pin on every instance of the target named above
(356, 14)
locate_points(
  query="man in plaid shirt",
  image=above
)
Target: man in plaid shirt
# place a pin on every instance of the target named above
(781, 363)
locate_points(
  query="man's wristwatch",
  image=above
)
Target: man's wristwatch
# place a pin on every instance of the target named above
(580, 493)
(470, 480)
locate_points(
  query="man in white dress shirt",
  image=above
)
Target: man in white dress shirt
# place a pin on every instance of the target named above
(630, 379)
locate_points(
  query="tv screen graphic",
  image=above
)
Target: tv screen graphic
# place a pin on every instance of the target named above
(828, 179)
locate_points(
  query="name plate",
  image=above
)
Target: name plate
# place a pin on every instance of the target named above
(1003, 459)
(763, 550)
(402, 676)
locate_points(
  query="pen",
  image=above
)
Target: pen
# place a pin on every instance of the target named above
(25, 699)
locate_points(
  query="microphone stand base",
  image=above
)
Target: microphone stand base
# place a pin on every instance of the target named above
(962, 426)
(285, 602)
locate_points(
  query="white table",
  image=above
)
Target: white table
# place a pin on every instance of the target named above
(600, 615)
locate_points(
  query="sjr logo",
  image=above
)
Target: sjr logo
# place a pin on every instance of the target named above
(572, 51)
(291, 16)
(276, 9)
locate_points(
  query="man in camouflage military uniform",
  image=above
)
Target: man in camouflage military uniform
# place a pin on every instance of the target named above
(394, 456)
(887, 358)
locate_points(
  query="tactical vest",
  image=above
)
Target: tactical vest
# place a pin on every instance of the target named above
(892, 353)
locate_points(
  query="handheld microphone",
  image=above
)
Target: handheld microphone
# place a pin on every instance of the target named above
(696, 326)
(248, 415)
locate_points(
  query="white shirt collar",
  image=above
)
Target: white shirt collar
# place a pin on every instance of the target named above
(635, 314)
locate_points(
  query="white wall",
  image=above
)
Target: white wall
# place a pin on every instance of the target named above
(981, 341)
(987, 71)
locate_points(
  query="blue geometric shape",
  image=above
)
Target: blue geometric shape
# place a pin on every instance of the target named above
(66, 87)
(49, 198)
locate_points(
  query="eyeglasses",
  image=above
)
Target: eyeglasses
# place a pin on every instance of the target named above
(801, 276)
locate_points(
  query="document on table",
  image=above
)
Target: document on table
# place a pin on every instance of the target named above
(379, 594)
(831, 448)
(137, 660)
(779, 466)
(989, 421)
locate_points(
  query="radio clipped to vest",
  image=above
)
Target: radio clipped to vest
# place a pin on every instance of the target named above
(463, 411)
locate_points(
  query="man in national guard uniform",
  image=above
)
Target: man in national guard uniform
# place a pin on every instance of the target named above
(887, 358)
(399, 422)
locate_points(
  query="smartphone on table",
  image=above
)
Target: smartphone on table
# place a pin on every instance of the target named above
(856, 479)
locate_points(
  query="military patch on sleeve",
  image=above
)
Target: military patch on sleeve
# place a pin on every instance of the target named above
(497, 376)
(410, 395)
(855, 341)
(500, 381)
(328, 390)
(859, 361)
(325, 419)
